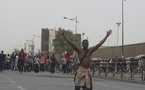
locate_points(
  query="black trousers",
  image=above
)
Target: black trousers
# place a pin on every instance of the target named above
(21, 66)
(83, 87)
(52, 68)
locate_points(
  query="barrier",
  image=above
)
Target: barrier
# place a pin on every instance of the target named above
(123, 69)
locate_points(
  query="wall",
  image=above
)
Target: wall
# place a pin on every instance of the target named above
(116, 52)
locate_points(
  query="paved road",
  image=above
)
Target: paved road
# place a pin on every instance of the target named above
(13, 80)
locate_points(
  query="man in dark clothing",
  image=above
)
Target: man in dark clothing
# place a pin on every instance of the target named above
(2, 59)
(13, 61)
(53, 63)
(22, 58)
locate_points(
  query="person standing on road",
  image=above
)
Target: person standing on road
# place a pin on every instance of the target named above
(2, 59)
(16, 62)
(22, 57)
(63, 59)
(83, 78)
(8, 61)
(42, 62)
(53, 63)
(67, 56)
(13, 61)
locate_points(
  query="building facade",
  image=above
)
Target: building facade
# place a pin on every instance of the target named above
(47, 37)
(29, 47)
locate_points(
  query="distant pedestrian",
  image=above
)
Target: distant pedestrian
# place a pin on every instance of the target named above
(16, 62)
(8, 62)
(53, 63)
(2, 59)
(67, 56)
(60, 65)
(42, 62)
(13, 61)
(22, 57)
(63, 64)
(36, 64)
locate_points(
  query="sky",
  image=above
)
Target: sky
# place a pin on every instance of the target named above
(20, 20)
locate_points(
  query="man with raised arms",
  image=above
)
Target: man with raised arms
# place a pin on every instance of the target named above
(83, 78)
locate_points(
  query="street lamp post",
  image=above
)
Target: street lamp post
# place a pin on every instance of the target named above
(123, 28)
(76, 21)
(118, 24)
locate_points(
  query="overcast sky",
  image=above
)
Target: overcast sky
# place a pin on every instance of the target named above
(20, 20)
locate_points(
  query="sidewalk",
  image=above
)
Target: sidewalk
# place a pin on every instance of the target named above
(136, 78)
(138, 81)
(122, 79)
(125, 79)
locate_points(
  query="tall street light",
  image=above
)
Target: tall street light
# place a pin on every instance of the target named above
(118, 24)
(76, 21)
(123, 28)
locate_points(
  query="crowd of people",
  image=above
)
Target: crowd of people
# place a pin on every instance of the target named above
(23, 62)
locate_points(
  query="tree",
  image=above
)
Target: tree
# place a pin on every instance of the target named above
(16, 50)
(60, 45)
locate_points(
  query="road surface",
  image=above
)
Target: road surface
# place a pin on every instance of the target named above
(13, 80)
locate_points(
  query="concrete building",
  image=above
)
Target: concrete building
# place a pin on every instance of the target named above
(47, 37)
(51, 38)
(29, 47)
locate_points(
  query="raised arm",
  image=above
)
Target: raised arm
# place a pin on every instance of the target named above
(102, 41)
(61, 31)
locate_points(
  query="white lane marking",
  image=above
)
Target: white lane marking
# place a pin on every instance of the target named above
(7, 78)
(13, 82)
(20, 87)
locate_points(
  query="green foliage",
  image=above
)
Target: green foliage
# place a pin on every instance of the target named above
(60, 45)
(16, 50)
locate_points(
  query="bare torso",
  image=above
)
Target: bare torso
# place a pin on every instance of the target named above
(87, 58)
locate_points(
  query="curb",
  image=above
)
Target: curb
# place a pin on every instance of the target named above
(123, 80)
